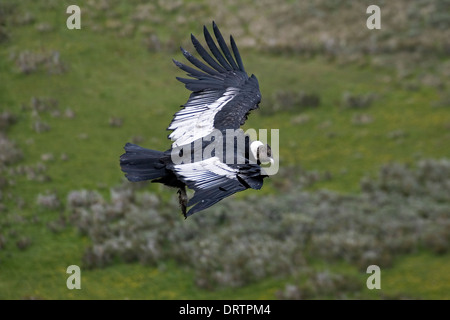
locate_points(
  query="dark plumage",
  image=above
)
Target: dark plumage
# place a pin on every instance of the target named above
(221, 99)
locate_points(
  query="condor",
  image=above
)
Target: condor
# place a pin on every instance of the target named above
(222, 97)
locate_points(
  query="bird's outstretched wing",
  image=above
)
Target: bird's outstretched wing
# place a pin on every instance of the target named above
(222, 93)
(214, 180)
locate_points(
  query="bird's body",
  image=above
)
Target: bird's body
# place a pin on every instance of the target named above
(209, 153)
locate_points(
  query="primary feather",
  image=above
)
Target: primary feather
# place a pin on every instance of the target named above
(222, 92)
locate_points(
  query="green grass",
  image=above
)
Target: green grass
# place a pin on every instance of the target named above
(421, 273)
(109, 76)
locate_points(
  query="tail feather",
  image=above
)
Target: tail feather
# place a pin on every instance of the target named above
(141, 164)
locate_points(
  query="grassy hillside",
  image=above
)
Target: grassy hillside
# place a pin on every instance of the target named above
(70, 99)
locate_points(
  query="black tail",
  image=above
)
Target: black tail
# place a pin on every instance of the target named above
(142, 164)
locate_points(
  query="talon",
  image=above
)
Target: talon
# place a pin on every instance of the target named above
(182, 199)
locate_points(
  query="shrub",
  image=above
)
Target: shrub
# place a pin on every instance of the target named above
(284, 100)
(48, 201)
(362, 119)
(29, 62)
(322, 284)
(23, 243)
(242, 241)
(39, 126)
(9, 153)
(353, 101)
(3, 241)
(115, 121)
(7, 119)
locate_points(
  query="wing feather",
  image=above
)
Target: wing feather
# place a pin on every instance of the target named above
(212, 181)
(191, 71)
(198, 63)
(222, 93)
(196, 120)
(224, 47)
(215, 51)
(237, 54)
(205, 55)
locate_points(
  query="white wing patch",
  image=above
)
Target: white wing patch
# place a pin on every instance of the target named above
(196, 120)
(207, 173)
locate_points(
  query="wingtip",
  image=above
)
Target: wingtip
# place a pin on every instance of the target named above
(189, 213)
(184, 52)
(176, 62)
(194, 40)
(205, 29)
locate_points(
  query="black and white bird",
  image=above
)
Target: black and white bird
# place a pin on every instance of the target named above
(222, 97)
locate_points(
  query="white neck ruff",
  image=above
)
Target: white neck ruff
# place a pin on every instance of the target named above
(254, 148)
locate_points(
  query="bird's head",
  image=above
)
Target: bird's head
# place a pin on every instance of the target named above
(261, 152)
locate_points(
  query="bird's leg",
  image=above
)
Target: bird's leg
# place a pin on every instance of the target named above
(182, 198)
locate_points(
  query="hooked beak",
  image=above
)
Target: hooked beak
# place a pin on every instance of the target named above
(268, 161)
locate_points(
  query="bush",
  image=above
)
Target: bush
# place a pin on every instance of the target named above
(29, 62)
(242, 241)
(352, 101)
(48, 201)
(7, 119)
(322, 284)
(9, 153)
(283, 100)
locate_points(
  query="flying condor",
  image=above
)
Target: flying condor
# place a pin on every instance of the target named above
(222, 97)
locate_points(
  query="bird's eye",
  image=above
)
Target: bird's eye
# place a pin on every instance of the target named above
(268, 150)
